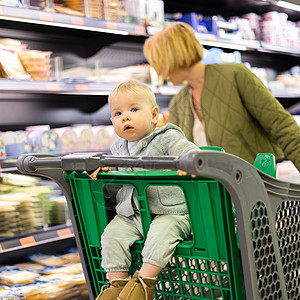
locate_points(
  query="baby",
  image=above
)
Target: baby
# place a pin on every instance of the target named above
(134, 115)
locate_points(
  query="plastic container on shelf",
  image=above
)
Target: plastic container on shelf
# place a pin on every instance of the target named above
(2, 146)
(16, 143)
(38, 4)
(149, 12)
(95, 9)
(244, 221)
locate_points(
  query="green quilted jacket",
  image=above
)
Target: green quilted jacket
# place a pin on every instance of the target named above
(240, 115)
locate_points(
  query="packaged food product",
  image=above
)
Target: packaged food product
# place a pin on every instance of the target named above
(47, 259)
(10, 65)
(37, 63)
(17, 276)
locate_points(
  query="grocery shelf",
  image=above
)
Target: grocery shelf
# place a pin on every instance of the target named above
(57, 87)
(96, 89)
(212, 40)
(286, 93)
(266, 47)
(46, 240)
(234, 44)
(246, 45)
(41, 17)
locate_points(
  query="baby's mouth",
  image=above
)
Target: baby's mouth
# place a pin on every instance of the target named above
(127, 127)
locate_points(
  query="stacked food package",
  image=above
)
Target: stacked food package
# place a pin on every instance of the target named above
(18, 62)
(37, 63)
(75, 5)
(58, 210)
(114, 10)
(11, 66)
(26, 204)
(69, 139)
(104, 137)
(42, 139)
(44, 276)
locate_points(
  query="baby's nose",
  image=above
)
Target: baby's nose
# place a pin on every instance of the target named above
(126, 117)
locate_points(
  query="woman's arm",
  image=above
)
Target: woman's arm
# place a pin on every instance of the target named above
(271, 115)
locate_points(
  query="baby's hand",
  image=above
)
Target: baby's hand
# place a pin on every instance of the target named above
(95, 173)
(183, 173)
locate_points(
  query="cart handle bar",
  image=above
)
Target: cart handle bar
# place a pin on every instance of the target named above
(79, 162)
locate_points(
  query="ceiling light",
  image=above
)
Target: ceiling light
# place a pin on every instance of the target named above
(288, 5)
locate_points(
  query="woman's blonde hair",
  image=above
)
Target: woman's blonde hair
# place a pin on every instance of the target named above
(172, 49)
(136, 87)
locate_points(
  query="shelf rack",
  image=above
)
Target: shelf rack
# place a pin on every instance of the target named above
(60, 237)
(39, 17)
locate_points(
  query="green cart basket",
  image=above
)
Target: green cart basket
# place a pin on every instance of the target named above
(245, 223)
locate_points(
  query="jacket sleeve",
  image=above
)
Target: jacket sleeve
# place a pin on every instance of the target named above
(279, 125)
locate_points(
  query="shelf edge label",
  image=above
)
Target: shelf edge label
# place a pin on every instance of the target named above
(111, 25)
(44, 16)
(64, 233)
(52, 87)
(80, 87)
(27, 241)
(77, 20)
(140, 30)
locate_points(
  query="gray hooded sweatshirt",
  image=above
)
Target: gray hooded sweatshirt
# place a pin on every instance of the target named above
(166, 140)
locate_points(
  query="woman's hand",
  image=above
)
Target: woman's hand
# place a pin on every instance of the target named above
(95, 173)
(183, 173)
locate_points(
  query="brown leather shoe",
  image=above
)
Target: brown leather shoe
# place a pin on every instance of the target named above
(138, 288)
(112, 290)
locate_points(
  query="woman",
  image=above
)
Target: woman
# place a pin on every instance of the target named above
(223, 105)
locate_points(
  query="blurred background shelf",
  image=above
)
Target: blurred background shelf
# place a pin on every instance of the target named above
(39, 17)
(52, 239)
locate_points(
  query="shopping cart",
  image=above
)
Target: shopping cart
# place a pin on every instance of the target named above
(245, 223)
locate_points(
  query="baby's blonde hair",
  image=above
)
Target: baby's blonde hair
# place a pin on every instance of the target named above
(135, 87)
(173, 49)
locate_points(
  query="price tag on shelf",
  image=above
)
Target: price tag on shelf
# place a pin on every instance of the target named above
(44, 16)
(111, 25)
(80, 87)
(77, 20)
(140, 30)
(27, 241)
(64, 233)
(52, 87)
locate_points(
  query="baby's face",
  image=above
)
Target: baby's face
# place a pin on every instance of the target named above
(132, 116)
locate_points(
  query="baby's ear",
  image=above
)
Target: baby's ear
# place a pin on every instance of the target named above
(155, 114)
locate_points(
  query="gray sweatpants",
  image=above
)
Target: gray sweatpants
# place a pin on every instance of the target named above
(165, 232)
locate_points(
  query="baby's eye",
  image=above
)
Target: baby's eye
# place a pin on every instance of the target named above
(117, 114)
(134, 109)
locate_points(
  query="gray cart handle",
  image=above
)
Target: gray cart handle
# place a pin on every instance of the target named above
(90, 162)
